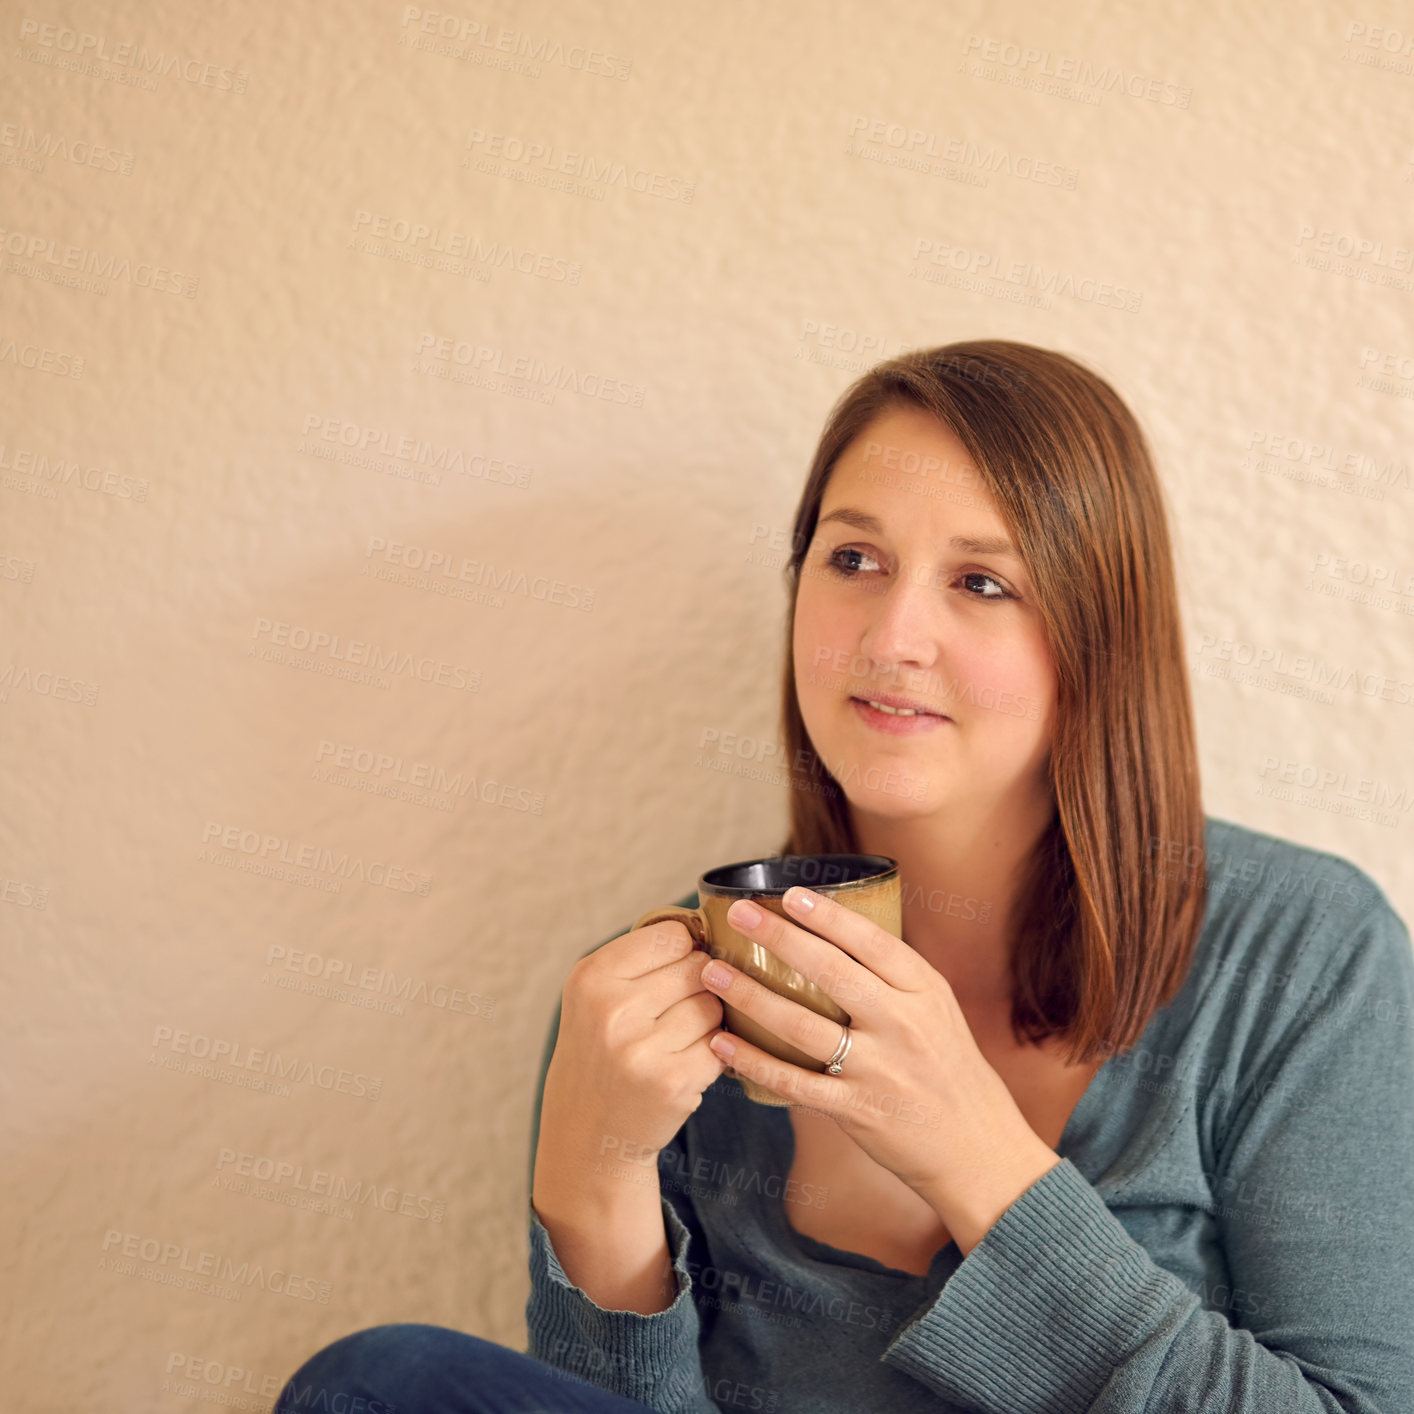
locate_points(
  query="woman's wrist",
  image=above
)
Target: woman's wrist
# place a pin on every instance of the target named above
(970, 1210)
(611, 1243)
(605, 1177)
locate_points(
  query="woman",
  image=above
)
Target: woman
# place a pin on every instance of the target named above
(1126, 1124)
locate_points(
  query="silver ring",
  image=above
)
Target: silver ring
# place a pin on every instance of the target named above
(836, 1062)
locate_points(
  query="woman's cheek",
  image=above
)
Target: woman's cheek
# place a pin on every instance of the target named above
(1012, 692)
(818, 648)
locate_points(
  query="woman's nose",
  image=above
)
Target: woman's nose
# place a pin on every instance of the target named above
(905, 621)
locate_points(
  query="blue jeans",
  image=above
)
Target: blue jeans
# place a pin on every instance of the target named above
(418, 1369)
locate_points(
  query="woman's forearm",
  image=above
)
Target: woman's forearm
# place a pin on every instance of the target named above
(610, 1239)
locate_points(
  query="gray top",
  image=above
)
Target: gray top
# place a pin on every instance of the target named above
(1231, 1227)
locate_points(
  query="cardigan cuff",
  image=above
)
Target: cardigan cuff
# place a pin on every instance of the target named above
(624, 1351)
(1043, 1310)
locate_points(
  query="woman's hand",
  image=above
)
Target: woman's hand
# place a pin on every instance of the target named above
(915, 1092)
(630, 1063)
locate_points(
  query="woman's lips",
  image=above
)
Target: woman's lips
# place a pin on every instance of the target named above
(895, 725)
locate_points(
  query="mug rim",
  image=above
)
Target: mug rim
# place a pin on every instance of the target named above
(888, 867)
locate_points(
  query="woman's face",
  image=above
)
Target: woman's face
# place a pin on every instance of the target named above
(910, 594)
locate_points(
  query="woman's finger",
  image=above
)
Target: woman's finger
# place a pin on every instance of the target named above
(806, 1030)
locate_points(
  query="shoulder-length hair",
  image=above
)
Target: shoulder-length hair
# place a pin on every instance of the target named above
(1105, 935)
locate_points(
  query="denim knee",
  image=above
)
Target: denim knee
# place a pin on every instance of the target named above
(421, 1369)
(371, 1371)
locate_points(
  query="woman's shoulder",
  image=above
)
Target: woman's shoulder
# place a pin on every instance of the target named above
(1303, 990)
(1250, 864)
(1285, 921)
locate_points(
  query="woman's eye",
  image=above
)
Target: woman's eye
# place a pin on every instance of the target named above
(997, 592)
(841, 560)
(849, 560)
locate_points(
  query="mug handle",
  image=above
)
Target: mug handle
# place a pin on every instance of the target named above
(696, 924)
(691, 918)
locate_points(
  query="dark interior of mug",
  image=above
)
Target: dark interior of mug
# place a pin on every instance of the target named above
(782, 871)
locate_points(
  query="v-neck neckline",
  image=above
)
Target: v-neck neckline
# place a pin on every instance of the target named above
(782, 1136)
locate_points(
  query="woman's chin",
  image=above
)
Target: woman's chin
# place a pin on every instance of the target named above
(917, 804)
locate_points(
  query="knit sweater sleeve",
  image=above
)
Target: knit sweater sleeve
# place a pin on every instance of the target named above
(1057, 1309)
(651, 1359)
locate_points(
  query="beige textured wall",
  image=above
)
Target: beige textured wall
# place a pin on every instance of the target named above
(253, 297)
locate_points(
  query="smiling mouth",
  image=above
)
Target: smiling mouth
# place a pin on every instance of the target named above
(896, 708)
(898, 711)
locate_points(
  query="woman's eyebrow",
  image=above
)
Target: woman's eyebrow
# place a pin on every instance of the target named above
(984, 545)
(872, 525)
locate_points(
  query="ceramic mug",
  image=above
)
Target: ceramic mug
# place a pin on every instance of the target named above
(867, 883)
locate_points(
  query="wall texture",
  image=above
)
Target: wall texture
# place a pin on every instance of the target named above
(401, 414)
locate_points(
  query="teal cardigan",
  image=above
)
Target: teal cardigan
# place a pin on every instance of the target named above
(1231, 1227)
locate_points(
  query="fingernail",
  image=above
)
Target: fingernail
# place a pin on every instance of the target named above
(716, 975)
(723, 1046)
(802, 900)
(744, 913)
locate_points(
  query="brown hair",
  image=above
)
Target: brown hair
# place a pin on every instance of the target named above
(1104, 938)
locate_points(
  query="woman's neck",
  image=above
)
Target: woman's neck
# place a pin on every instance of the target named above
(961, 879)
